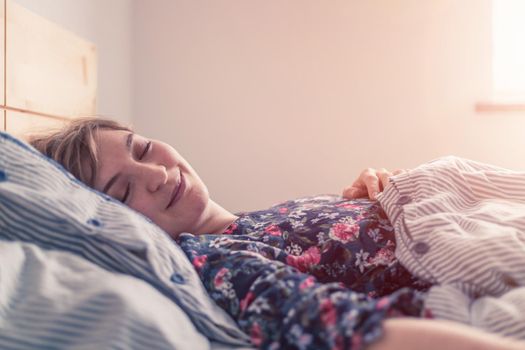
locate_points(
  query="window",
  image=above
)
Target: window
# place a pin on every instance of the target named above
(508, 38)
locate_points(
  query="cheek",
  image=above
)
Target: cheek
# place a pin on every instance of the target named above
(143, 208)
(154, 215)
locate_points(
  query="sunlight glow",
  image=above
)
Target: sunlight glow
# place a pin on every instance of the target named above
(508, 37)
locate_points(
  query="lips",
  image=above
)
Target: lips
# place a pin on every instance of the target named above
(177, 192)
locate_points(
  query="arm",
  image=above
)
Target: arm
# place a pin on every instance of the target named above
(280, 307)
(409, 333)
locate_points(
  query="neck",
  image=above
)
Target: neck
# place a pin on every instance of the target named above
(216, 219)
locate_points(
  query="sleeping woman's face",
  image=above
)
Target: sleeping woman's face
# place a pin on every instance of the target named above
(151, 177)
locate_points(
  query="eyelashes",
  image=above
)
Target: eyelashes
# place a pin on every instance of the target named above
(126, 194)
(128, 186)
(145, 151)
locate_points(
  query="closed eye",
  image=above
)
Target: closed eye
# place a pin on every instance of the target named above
(146, 149)
(126, 194)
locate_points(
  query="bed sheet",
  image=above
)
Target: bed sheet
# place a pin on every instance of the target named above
(53, 299)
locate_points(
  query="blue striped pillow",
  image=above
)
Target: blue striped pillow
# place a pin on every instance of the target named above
(41, 203)
(57, 300)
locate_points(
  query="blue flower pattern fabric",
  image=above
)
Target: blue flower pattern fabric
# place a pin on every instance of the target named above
(311, 273)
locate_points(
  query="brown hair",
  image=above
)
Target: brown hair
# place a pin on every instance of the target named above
(74, 146)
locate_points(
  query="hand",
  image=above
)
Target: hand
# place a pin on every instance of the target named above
(369, 183)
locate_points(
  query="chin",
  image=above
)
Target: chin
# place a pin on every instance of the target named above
(197, 203)
(201, 202)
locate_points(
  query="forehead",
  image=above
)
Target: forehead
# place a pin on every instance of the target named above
(108, 137)
(111, 149)
(109, 144)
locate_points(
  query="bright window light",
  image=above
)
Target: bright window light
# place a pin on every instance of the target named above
(508, 49)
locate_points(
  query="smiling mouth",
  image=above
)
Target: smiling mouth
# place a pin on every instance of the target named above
(177, 192)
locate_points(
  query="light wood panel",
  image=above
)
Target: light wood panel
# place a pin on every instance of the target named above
(2, 60)
(23, 125)
(49, 69)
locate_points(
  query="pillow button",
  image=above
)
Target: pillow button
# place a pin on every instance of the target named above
(177, 278)
(94, 222)
(421, 248)
(3, 176)
(404, 200)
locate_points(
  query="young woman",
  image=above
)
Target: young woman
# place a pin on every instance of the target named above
(312, 273)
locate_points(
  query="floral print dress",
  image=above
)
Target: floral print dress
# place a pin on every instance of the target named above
(310, 273)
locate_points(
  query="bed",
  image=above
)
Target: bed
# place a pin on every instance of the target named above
(77, 268)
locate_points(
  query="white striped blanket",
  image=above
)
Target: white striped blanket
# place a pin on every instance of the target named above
(460, 224)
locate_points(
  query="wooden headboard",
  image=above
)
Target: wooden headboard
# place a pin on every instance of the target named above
(48, 74)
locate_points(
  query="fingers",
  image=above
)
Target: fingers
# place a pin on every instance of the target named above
(366, 185)
(370, 182)
(352, 192)
(384, 176)
(399, 171)
(348, 192)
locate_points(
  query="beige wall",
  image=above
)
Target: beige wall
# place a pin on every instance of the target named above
(107, 24)
(271, 100)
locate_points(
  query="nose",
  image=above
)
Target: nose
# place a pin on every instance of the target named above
(154, 176)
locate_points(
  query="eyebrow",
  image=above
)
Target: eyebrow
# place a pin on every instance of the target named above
(111, 182)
